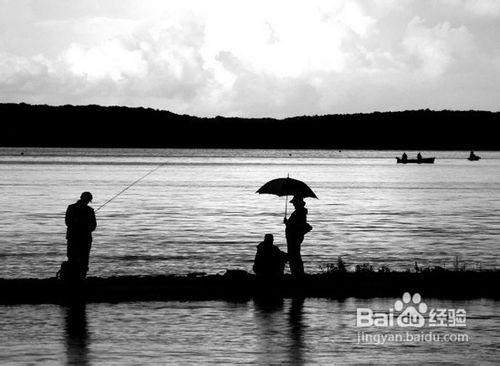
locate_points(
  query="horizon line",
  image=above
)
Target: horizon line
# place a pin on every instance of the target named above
(240, 117)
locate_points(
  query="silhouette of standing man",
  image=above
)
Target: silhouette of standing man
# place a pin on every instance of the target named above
(80, 220)
(296, 228)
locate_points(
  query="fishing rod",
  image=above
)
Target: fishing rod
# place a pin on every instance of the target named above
(129, 186)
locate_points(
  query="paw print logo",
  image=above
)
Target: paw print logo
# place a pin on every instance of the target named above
(411, 309)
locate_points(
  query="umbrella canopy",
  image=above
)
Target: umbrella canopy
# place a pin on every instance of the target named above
(287, 187)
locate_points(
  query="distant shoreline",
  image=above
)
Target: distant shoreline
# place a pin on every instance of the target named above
(123, 127)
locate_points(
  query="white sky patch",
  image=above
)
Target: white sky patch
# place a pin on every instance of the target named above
(109, 59)
(353, 17)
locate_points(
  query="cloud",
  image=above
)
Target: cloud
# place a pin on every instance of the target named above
(108, 60)
(19, 72)
(267, 39)
(482, 8)
(436, 47)
(257, 58)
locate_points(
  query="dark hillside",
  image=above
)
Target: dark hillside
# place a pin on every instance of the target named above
(96, 126)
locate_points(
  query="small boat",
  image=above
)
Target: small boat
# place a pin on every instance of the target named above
(416, 161)
(474, 158)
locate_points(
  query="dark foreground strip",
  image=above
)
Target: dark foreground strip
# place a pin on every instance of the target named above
(242, 286)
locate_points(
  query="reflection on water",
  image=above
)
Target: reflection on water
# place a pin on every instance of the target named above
(268, 317)
(280, 330)
(296, 331)
(289, 331)
(76, 334)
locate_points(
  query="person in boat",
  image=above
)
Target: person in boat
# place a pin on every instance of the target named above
(419, 156)
(269, 259)
(296, 228)
(404, 158)
(472, 155)
(81, 222)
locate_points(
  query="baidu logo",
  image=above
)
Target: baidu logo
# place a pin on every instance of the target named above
(413, 307)
(410, 312)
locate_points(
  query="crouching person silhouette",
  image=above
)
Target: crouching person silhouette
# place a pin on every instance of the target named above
(80, 222)
(270, 260)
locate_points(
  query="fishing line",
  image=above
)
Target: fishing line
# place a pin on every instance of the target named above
(129, 186)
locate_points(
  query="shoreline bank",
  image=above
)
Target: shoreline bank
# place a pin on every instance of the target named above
(242, 286)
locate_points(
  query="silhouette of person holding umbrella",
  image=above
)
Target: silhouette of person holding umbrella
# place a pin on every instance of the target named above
(296, 224)
(296, 228)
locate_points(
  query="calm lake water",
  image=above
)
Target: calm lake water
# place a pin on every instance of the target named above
(199, 212)
(290, 332)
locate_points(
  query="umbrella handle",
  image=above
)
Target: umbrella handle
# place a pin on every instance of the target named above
(286, 202)
(286, 197)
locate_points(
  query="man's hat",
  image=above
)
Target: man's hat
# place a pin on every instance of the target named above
(297, 199)
(87, 196)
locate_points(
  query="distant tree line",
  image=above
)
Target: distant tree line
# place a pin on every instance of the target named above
(97, 126)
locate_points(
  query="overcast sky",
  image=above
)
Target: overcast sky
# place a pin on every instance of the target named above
(253, 58)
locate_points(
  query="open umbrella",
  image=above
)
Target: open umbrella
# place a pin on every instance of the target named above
(287, 187)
